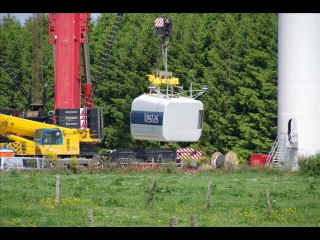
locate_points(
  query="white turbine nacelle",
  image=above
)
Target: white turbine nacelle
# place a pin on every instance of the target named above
(160, 118)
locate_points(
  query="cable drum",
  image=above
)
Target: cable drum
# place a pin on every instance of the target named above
(229, 161)
(214, 158)
(220, 161)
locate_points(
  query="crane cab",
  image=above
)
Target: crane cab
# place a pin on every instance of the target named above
(48, 137)
(56, 141)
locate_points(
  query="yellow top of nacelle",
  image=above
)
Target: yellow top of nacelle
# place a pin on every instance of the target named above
(163, 78)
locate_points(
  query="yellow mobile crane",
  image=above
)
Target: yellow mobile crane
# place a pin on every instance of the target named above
(31, 138)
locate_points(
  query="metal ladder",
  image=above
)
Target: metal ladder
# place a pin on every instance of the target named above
(277, 154)
(107, 50)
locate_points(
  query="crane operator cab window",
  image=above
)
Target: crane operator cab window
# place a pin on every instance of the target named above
(48, 137)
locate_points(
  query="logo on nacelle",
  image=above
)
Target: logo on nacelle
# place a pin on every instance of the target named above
(151, 118)
(147, 118)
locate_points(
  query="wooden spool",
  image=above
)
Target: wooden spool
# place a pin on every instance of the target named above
(214, 158)
(231, 161)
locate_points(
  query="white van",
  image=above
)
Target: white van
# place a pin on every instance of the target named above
(8, 164)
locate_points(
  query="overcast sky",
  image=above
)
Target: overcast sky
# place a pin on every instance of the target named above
(24, 16)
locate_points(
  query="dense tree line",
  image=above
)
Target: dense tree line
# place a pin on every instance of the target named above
(235, 55)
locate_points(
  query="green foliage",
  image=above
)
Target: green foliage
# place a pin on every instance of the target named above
(310, 165)
(74, 164)
(170, 167)
(204, 160)
(160, 189)
(51, 156)
(187, 161)
(242, 161)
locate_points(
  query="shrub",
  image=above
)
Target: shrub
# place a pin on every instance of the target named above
(14, 172)
(74, 164)
(170, 167)
(310, 165)
(51, 156)
(243, 161)
(203, 160)
(187, 161)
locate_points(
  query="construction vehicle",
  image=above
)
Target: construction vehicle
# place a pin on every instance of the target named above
(30, 138)
(69, 134)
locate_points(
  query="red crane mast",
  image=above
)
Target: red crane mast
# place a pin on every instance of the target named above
(68, 32)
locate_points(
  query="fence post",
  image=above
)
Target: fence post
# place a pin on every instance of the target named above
(57, 189)
(151, 192)
(193, 221)
(268, 201)
(152, 163)
(173, 222)
(90, 217)
(208, 196)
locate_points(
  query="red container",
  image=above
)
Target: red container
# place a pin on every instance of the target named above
(258, 160)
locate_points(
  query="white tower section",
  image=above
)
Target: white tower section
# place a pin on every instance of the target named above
(299, 78)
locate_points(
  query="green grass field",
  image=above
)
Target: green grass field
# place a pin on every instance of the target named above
(118, 198)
